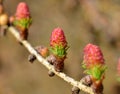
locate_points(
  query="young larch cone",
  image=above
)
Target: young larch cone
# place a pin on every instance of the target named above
(58, 45)
(93, 61)
(22, 19)
(58, 42)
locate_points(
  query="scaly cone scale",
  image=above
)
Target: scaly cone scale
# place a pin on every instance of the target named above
(58, 47)
(22, 19)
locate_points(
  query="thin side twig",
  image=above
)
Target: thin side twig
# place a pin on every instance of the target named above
(47, 65)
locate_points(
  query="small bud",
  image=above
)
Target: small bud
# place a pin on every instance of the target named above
(87, 80)
(75, 90)
(42, 50)
(3, 19)
(31, 58)
(50, 73)
(51, 59)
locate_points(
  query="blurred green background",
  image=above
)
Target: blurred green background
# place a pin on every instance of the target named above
(83, 21)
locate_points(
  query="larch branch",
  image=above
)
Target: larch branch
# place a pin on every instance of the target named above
(47, 65)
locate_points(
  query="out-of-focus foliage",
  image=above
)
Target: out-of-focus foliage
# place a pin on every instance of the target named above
(83, 21)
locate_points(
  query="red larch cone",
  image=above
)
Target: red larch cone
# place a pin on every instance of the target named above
(93, 62)
(92, 55)
(94, 66)
(59, 47)
(22, 19)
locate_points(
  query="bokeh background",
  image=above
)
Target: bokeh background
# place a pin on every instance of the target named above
(83, 21)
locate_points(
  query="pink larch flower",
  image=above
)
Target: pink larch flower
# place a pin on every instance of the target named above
(58, 38)
(93, 62)
(22, 19)
(58, 48)
(93, 55)
(22, 11)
